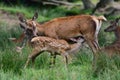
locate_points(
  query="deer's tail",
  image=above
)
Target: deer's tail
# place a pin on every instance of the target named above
(102, 18)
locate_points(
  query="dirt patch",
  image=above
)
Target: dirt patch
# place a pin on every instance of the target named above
(8, 19)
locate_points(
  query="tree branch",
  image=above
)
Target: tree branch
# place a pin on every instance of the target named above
(57, 3)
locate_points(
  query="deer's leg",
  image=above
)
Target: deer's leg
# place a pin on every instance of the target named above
(96, 43)
(19, 48)
(65, 58)
(93, 45)
(52, 59)
(24, 42)
(21, 38)
(32, 56)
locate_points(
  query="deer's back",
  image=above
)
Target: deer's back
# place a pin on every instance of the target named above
(112, 49)
(50, 43)
(72, 26)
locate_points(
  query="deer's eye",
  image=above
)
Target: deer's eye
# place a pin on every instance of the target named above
(34, 24)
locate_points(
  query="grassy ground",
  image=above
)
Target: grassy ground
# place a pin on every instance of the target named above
(12, 63)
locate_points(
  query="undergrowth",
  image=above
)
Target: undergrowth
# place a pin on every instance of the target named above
(80, 68)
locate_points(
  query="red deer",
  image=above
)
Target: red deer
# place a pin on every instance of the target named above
(86, 26)
(54, 46)
(114, 48)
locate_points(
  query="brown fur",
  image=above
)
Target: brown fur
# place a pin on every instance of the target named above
(20, 39)
(114, 48)
(54, 46)
(73, 26)
(69, 27)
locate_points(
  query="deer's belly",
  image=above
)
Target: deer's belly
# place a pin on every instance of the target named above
(68, 35)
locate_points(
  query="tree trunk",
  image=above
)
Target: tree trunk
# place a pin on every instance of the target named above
(70, 0)
(87, 4)
(106, 2)
(117, 0)
(102, 4)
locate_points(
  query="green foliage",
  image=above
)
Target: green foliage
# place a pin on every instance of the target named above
(12, 63)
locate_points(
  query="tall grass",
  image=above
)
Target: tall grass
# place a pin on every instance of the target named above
(44, 14)
(12, 63)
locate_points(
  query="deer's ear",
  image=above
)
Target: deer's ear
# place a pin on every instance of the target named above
(35, 16)
(22, 19)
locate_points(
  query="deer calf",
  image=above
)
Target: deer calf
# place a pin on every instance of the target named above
(54, 46)
(114, 48)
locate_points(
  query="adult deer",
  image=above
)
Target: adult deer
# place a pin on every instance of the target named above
(86, 26)
(114, 48)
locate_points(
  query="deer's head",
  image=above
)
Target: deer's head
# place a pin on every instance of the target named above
(29, 26)
(113, 25)
(80, 39)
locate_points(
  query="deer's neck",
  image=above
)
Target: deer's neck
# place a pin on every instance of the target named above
(75, 47)
(40, 29)
(117, 33)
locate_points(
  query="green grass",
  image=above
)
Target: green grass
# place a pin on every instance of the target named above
(12, 63)
(44, 14)
(29, 11)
